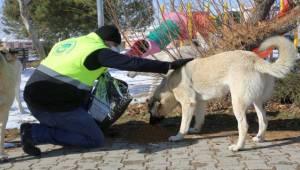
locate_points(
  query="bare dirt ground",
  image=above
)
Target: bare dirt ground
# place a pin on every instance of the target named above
(133, 126)
(284, 122)
(132, 143)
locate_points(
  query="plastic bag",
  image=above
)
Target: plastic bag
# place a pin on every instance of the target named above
(110, 98)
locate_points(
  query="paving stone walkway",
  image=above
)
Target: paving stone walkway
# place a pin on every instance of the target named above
(193, 153)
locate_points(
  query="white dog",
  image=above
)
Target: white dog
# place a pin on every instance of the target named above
(248, 78)
(10, 69)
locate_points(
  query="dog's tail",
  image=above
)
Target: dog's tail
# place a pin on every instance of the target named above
(286, 60)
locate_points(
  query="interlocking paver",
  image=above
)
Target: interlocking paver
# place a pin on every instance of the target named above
(7, 165)
(200, 154)
(285, 166)
(110, 166)
(256, 164)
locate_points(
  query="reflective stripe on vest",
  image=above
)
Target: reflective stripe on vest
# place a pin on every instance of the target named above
(63, 78)
(66, 61)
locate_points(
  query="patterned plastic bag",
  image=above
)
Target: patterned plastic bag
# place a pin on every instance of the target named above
(110, 98)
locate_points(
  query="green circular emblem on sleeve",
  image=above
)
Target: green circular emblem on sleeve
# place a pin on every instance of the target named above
(65, 47)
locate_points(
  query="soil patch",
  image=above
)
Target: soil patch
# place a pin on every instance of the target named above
(141, 132)
(281, 135)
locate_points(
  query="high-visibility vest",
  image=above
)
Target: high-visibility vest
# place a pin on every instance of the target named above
(65, 61)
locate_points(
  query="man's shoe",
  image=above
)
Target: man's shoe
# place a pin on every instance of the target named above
(26, 140)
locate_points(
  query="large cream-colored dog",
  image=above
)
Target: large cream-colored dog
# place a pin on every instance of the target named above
(10, 69)
(247, 77)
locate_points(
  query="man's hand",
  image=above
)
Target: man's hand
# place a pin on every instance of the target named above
(179, 63)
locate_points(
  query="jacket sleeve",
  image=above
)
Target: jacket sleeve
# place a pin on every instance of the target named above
(111, 59)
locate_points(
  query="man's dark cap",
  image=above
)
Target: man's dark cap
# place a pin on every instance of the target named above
(109, 33)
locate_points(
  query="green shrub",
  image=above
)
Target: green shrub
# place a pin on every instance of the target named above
(287, 90)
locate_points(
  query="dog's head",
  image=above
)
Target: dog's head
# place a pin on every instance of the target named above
(162, 102)
(9, 54)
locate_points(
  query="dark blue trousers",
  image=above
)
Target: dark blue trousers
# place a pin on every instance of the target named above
(72, 128)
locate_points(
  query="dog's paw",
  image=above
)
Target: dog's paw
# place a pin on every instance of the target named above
(178, 137)
(234, 148)
(194, 130)
(258, 139)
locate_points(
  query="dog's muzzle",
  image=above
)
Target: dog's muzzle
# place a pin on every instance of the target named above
(155, 118)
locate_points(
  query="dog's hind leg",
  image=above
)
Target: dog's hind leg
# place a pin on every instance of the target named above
(262, 122)
(258, 105)
(239, 110)
(199, 117)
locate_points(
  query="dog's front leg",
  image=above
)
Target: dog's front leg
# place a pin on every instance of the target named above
(186, 96)
(3, 118)
(187, 114)
(3, 156)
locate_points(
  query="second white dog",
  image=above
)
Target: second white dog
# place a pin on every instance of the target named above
(10, 77)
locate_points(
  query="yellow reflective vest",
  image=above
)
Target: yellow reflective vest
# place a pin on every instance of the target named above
(65, 61)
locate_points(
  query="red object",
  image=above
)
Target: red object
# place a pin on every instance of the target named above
(135, 49)
(263, 54)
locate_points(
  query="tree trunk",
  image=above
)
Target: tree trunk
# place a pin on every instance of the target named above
(29, 25)
(262, 10)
